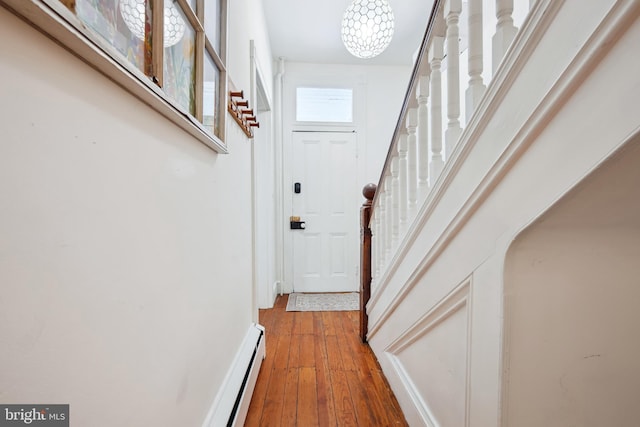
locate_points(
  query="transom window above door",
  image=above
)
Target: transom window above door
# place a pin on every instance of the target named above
(325, 105)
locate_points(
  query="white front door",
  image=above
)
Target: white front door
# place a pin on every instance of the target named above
(325, 252)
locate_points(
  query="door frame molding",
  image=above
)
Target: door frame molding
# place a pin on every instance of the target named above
(263, 293)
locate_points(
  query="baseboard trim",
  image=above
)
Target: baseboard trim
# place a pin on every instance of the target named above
(275, 290)
(232, 402)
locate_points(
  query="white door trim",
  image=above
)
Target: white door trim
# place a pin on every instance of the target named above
(263, 208)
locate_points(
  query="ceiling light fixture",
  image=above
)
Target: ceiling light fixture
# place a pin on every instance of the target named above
(367, 27)
(134, 15)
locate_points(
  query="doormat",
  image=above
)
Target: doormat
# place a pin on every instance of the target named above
(349, 301)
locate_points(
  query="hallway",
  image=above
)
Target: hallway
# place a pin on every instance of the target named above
(317, 373)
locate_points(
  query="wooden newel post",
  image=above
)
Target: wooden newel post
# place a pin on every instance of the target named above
(368, 192)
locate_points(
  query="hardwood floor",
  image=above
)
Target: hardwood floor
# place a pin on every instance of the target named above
(318, 373)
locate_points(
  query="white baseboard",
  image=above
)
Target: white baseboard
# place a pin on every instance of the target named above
(232, 402)
(275, 289)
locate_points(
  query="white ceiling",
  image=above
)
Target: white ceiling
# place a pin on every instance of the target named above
(309, 31)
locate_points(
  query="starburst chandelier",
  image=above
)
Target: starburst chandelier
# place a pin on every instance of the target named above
(367, 27)
(134, 12)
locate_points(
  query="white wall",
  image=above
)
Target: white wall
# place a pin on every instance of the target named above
(378, 95)
(571, 302)
(571, 291)
(125, 264)
(247, 22)
(569, 104)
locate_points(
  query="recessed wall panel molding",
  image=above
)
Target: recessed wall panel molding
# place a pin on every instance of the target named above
(431, 359)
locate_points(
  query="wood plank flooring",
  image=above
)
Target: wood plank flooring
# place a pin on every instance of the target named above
(318, 373)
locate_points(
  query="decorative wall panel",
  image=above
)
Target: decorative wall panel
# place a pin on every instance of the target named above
(431, 359)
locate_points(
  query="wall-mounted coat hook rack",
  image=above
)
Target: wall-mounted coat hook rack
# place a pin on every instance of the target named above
(244, 117)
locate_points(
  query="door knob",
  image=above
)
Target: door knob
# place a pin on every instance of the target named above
(296, 224)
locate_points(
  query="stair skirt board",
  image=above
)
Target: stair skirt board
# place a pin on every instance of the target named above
(232, 403)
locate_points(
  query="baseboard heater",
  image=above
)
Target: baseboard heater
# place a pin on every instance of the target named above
(233, 404)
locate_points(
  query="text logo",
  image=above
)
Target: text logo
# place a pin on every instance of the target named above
(34, 415)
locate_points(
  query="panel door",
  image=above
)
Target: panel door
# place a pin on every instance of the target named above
(326, 251)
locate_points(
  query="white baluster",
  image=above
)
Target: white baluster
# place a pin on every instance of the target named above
(395, 197)
(389, 219)
(476, 86)
(422, 96)
(378, 246)
(382, 227)
(375, 263)
(505, 31)
(412, 155)
(452, 10)
(403, 171)
(436, 52)
(381, 233)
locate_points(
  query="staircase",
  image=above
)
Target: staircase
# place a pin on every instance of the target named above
(515, 112)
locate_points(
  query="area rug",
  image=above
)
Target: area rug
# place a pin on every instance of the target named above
(349, 301)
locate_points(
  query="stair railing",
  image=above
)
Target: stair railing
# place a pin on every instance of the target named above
(454, 64)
